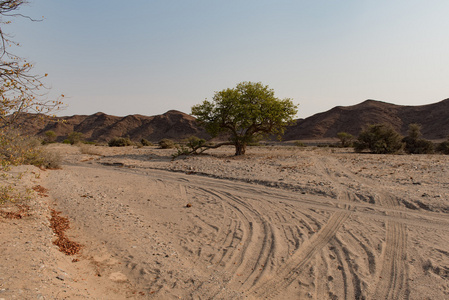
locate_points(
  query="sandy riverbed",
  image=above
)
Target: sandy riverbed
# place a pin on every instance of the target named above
(279, 223)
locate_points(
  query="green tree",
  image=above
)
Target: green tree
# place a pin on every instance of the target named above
(414, 144)
(380, 139)
(346, 139)
(246, 113)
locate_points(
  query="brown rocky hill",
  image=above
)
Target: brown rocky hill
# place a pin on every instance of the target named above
(102, 127)
(434, 119)
(176, 125)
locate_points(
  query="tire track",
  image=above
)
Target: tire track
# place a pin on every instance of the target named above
(263, 239)
(392, 281)
(293, 267)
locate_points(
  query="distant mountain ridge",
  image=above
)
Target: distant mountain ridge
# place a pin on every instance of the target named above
(102, 127)
(177, 125)
(434, 119)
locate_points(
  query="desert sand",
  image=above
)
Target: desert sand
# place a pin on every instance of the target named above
(279, 223)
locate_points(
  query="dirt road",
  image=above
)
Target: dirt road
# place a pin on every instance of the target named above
(151, 233)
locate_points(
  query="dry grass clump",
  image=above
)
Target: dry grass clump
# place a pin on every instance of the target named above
(146, 142)
(16, 149)
(8, 193)
(167, 144)
(90, 149)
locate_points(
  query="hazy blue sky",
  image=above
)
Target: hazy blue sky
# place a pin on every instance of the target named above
(147, 57)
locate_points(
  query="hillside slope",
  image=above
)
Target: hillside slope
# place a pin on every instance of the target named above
(176, 125)
(434, 119)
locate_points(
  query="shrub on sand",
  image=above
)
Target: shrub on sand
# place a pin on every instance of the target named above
(414, 144)
(443, 147)
(167, 144)
(120, 142)
(145, 142)
(16, 149)
(379, 139)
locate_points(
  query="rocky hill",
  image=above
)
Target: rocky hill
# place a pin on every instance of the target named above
(176, 125)
(102, 127)
(434, 119)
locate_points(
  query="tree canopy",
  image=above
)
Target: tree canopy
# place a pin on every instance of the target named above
(20, 91)
(246, 113)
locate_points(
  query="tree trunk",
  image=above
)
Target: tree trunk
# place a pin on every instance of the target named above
(240, 149)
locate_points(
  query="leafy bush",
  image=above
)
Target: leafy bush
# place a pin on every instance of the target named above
(192, 146)
(166, 144)
(414, 144)
(443, 147)
(346, 139)
(145, 142)
(120, 142)
(194, 143)
(50, 137)
(379, 139)
(75, 137)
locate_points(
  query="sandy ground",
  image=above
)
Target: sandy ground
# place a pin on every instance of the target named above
(279, 223)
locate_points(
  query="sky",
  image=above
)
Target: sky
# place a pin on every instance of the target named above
(147, 57)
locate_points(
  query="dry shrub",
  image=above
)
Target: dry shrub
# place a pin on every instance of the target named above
(145, 142)
(90, 149)
(16, 149)
(414, 144)
(167, 144)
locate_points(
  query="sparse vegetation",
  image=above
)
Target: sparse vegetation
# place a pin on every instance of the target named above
(47, 159)
(299, 144)
(90, 149)
(20, 90)
(444, 147)
(346, 139)
(10, 194)
(166, 144)
(414, 144)
(379, 139)
(16, 149)
(194, 145)
(50, 137)
(74, 138)
(145, 142)
(120, 142)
